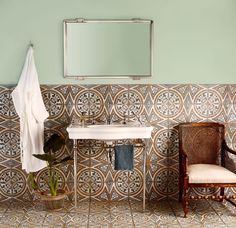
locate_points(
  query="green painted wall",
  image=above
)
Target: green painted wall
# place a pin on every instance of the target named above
(195, 40)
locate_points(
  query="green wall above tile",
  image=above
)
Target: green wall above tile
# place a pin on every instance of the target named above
(194, 41)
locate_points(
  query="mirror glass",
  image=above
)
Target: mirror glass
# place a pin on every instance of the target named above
(107, 48)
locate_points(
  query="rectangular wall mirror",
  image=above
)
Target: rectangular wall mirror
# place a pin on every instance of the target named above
(108, 48)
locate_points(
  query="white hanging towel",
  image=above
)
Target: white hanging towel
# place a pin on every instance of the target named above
(29, 106)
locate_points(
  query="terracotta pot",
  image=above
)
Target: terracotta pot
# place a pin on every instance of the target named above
(53, 202)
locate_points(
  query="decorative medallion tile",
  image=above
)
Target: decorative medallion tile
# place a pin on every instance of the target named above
(168, 103)
(12, 182)
(128, 103)
(165, 181)
(129, 183)
(10, 143)
(6, 106)
(54, 103)
(166, 142)
(89, 102)
(207, 103)
(42, 176)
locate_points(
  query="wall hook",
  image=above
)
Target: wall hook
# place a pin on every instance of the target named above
(31, 44)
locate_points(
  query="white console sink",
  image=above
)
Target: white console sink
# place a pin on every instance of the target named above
(109, 132)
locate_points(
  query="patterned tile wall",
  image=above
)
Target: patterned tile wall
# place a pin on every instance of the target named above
(164, 106)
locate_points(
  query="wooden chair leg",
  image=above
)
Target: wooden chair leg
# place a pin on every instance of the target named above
(180, 179)
(222, 192)
(186, 198)
(185, 203)
(180, 190)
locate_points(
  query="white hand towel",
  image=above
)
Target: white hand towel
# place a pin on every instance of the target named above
(29, 106)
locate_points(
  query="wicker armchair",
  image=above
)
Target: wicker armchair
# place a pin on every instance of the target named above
(202, 157)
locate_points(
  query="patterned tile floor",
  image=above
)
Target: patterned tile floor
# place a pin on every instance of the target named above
(124, 214)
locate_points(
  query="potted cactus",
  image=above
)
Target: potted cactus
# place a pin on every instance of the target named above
(54, 197)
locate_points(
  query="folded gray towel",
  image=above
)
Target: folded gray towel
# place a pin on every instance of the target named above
(124, 157)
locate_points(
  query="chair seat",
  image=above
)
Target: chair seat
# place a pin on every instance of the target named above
(208, 173)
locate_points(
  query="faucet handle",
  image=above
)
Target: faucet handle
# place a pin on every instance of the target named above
(82, 119)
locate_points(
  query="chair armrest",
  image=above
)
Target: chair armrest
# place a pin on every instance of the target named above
(225, 146)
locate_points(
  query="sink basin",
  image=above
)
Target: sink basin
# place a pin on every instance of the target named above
(109, 132)
(106, 125)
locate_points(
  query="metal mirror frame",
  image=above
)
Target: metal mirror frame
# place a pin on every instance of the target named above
(82, 20)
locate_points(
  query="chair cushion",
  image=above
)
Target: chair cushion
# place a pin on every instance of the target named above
(208, 173)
